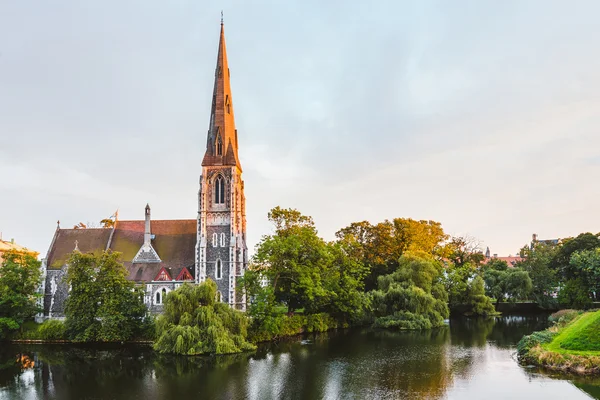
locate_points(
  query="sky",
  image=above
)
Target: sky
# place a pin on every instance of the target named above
(482, 115)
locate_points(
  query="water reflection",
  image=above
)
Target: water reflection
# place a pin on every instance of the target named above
(469, 359)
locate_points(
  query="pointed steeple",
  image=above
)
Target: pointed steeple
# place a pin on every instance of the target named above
(221, 144)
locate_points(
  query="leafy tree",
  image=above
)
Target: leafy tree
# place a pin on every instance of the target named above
(466, 287)
(536, 262)
(561, 261)
(575, 293)
(193, 323)
(380, 246)
(19, 280)
(102, 305)
(586, 265)
(413, 297)
(294, 259)
(464, 249)
(506, 283)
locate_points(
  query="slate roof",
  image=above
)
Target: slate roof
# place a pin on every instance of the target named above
(174, 241)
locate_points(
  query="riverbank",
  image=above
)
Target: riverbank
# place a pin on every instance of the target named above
(571, 345)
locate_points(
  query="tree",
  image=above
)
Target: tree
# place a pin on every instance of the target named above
(413, 297)
(506, 283)
(464, 249)
(536, 261)
(561, 261)
(102, 304)
(194, 323)
(465, 287)
(20, 276)
(294, 259)
(382, 245)
(586, 265)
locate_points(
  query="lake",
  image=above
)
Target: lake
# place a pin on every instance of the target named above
(468, 359)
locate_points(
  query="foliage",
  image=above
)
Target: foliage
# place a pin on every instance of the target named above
(20, 276)
(380, 246)
(563, 317)
(480, 303)
(464, 249)
(536, 262)
(102, 305)
(193, 323)
(561, 262)
(575, 293)
(52, 329)
(411, 295)
(530, 341)
(502, 282)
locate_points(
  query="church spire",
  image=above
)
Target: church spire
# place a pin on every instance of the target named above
(221, 144)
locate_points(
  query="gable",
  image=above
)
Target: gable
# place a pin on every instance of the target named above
(163, 275)
(184, 275)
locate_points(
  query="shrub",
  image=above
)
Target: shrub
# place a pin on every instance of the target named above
(563, 317)
(52, 329)
(403, 320)
(530, 341)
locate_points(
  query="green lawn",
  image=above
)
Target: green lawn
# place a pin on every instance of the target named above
(581, 337)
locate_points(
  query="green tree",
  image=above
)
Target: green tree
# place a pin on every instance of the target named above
(194, 323)
(382, 245)
(466, 288)
(19, 280)
(413, 297)
(462, 250)
(586, 265)
(506, 283)
(102, 305)
(294, 260)
(536, 261)
(561, 261)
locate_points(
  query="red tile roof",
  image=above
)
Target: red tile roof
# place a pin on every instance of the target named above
(511, 261)
(174, 241)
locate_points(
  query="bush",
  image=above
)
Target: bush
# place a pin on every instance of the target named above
(52, 329)
(563, 317)
(530, 341)
(403, 320)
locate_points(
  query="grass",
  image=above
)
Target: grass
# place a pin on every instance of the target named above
(580, 337)
(572, 345)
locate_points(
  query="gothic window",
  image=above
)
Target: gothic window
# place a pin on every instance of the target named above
(219, 297)
(222, 240)
(219, 190)
(218, 269)
(227, 104)
(164, 293)
(219, 145)
(214, 240)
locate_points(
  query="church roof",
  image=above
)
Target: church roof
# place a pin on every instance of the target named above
(222, 121)
(174, 241)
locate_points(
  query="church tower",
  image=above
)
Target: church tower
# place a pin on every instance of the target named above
(221, 252)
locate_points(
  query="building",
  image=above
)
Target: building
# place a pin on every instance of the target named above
(511, 261)
(12, 246)
(163, 254)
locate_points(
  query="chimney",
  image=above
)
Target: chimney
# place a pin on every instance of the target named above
(147, 234)
(534, 237)
(496, 255)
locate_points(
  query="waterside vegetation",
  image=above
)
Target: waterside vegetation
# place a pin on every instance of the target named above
(572, 344)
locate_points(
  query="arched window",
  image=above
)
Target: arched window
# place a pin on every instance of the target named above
(164, 293)
(214, 240)
(218, 269)
(157, 297)
(219, 145)
(227, 104)
(222, 240)
(219, 190)
(219, 297)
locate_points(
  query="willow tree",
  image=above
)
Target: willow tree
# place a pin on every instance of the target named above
(194, 323)
(413, 297)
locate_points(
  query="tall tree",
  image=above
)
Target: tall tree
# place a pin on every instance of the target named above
(102, 305)
(294, 259)
(536, 261)
(19, 280)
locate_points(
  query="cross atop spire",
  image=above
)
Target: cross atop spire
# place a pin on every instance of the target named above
(222, 144)
(221, 17)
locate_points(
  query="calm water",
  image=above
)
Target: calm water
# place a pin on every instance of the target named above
(469, 359)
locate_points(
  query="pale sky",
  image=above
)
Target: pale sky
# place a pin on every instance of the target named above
(482, 115)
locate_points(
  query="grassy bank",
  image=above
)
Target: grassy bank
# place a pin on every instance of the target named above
(572, 344)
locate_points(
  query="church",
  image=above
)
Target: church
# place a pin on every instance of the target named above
(161, 255)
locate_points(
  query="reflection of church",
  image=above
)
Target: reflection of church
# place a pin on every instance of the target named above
(163, 254)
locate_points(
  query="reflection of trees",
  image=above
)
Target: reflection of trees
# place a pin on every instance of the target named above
(587, 384)
(342, 364)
